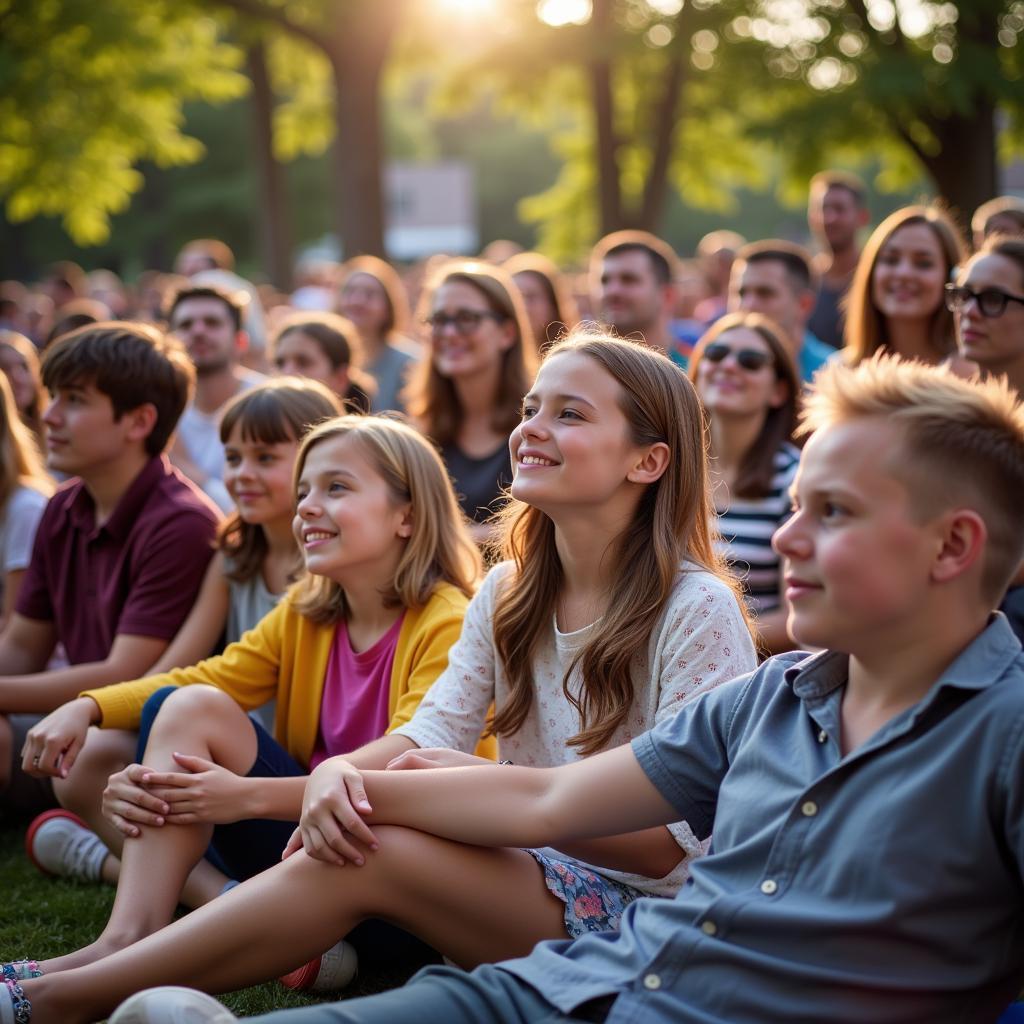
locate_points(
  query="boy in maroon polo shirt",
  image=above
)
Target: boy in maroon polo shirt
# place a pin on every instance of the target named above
(121, 550)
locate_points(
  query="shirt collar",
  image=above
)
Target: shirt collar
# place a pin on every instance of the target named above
(980, 665)
(82, 508)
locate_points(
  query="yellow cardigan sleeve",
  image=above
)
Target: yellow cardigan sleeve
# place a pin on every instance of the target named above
(422, 655)
(249, 671)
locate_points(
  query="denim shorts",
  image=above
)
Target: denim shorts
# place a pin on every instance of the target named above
(243, 848)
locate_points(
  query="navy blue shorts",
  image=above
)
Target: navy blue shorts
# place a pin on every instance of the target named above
(243, 848)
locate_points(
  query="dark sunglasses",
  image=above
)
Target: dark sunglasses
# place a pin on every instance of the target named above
(747, 358)
(991, 301)
(465, 321)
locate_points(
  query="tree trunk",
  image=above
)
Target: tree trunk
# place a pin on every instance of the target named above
(609, 187)
(357, 50)
(964, 170)
(272, 222)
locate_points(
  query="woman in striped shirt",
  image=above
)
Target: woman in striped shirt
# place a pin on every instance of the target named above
(747, 380)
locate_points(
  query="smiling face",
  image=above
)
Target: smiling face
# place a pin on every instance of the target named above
(909, 274)
(857, 560)
(995, 343)
(348, 524)
(258, 477)
(477, 349)
(573, 448)
(727, 388)
(364, 301)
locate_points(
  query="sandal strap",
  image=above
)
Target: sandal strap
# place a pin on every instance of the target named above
(19, 1002)
(19, 970)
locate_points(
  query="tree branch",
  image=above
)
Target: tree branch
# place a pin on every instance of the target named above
(275, 16)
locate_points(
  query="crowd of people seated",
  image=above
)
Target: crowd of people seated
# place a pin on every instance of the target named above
(643, 641)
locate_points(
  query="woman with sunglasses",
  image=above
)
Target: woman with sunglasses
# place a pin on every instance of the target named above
(467, 397)
(750, 389)
(896, 299)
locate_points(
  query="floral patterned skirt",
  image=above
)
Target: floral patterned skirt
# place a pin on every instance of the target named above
(593, 903)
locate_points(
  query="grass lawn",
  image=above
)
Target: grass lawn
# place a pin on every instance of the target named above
(45, 917)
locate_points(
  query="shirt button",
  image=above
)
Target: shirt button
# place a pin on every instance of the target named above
(709, 928)
(809, 809)
(822, 736)
(652, 981)
(769, 886)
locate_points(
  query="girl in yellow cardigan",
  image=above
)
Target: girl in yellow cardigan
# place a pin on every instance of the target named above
(348, 654)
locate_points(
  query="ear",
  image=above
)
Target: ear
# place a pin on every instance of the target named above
(405, 526)
(508, 334)
(668, 299)
(241, 342)
(963, 536)
(140, 421)
(651, 465)
(807, 299)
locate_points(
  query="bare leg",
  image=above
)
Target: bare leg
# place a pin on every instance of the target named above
(196, 720)
(474, 905)
(107, 751)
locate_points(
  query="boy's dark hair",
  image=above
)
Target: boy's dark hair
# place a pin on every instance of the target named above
(661, 255)
(233, 302)
(132, 364)
(795, 259)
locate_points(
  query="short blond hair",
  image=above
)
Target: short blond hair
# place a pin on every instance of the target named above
(963, 444)
(439, 549)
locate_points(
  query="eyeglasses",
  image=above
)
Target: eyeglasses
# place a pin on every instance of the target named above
(465, 321)
(749, 359)
(991, 301)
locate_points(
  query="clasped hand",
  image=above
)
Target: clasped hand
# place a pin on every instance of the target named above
(204, 793)
(334, 806)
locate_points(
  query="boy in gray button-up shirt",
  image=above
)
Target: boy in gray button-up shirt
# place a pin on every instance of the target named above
(867, 802)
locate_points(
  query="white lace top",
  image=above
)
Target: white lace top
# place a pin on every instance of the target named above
(700, 640)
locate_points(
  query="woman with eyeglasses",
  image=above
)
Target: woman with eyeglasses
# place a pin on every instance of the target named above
(987, 303)
(750, 389)
(467, 396)
(895, 301)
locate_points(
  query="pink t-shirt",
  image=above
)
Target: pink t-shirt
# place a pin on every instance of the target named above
(354, 709)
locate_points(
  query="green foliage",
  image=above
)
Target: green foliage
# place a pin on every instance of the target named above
(88, 90)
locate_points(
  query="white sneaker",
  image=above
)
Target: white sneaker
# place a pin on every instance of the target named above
(60, 843)
(330, 972)
(171, 1005)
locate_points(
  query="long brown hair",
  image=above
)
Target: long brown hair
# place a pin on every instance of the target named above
(866, 328)
(20, 461)
(432, 399)
(439, 549)
(275, 412)
(672, 523)
(757, 468)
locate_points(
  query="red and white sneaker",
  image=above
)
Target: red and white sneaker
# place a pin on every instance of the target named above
(329, 972)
